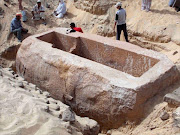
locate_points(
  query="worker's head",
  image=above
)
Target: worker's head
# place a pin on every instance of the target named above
(61, 1)
(72, 25)
(39, 3)
(118, 5)
(18, 16)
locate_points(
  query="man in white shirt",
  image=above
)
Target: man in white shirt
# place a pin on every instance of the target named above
(120, 21)
(146, 5)
(61, 9)
(38, 11)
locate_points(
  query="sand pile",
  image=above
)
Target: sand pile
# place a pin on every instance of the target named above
(27, 110)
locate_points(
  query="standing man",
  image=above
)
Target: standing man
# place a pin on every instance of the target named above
(17, 28)
(20, 5)
(120, 20)
(38, 11)
(146, 5)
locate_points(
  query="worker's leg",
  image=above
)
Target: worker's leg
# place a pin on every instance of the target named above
(119, 29)
(148, 5)
(171, 3)
(24, 30)
(18, 33)
(60, 15)
(124, 28)
(42, 15)
(36, 17)
(143, 5)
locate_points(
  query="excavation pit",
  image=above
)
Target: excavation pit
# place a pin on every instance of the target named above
(104, 79)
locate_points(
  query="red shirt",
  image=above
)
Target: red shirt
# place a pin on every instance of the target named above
(78, 29)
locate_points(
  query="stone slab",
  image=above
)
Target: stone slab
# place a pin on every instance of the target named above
(173, 98)
(104, 79)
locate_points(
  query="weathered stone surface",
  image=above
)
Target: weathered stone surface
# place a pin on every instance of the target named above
(173, 98)
(87, 126)
(68, 115)
(106, 80)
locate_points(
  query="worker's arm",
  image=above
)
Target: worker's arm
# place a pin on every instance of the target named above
(12, 26)
(32, 13)
(116, 19)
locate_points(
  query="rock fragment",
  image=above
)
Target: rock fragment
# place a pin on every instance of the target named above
(176, 116)
(68, 115)
(173, 98)
(46, 94)
(55, 107)
(164, 116)
(20, 84)
(47, 109)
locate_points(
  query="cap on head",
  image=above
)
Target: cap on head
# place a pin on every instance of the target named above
(72, 25)
(18, 15)
(39, 1)
(119, 4)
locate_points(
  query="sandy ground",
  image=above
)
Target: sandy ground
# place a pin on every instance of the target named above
(158, 30)
(23, 110)
(152, 125)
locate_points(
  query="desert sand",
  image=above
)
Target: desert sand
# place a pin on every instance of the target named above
(24, 111)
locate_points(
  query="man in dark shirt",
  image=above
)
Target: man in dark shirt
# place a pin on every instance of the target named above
(74, 28)
(17, 28)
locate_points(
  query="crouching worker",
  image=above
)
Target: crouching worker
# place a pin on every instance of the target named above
(38, 11)
(74, 28)
(17, 28)
(61, 9)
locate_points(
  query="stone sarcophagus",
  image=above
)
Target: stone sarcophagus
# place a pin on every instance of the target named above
(104, 79)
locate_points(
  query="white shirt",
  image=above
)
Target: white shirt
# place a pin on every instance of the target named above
(61, 8)
(36, 9)
(120, 17)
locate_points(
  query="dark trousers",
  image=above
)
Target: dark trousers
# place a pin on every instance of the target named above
(119, 29)
(18, 33)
